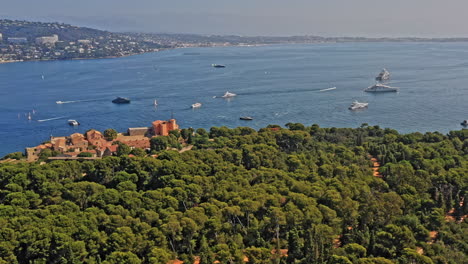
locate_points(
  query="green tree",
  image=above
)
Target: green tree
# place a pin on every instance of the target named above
(85, 155)
(123, 149)
(110, 134)
(118, 257)
(159, 143)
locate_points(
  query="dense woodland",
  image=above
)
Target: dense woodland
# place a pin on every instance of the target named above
(278, 195)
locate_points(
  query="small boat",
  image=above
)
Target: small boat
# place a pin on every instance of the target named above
(228, 95)
(384, 75)
(58, 102)
(247, 118)
(73, 122)
(218, 66)
(196, 105)
(464, 123)
(357, 105)
(155, 103)
(29, 116)
(380, 88)
(121, 100)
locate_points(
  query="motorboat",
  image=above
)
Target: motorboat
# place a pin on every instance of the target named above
(464, 123)
(384, 75)
(381, 88)
(58, 102)
(228, 95)
(247, 118)
(357, 105)
(196, 105)
(121, 100)
(73, 122)
(218, 66)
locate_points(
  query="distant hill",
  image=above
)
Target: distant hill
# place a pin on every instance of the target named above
(32, 30)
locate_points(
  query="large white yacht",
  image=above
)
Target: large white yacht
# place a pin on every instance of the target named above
(228, 95)
(357, 105)
(384, 75)
(380, 88)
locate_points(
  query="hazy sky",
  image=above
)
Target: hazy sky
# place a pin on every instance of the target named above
(425, 18)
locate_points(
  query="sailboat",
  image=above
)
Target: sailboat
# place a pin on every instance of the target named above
(29, 116)
(155, 103)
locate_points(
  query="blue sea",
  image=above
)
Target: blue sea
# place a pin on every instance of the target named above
(275, 85)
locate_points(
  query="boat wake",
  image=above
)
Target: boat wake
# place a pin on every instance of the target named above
(76, 101)
(327, 89)
(50, 119)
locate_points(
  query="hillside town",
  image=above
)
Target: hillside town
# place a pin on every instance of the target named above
(94, 144)
(26, 41)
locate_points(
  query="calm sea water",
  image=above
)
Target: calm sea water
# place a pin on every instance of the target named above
(275, 85)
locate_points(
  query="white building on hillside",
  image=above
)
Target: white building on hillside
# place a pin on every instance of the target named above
(47, 40)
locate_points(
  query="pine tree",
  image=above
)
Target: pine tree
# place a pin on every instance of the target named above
(294, 246)
(206, 255)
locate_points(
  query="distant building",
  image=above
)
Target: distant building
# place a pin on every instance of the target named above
(51, 40)
(162, 128)
(17, 40)
(138, 131)
(141, 142)
(61, 44)
(84, 41)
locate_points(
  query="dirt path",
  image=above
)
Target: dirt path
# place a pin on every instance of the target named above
(449, 217)
(375, 167)
(189, 147)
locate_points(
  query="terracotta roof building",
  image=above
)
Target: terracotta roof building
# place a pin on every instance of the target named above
(162, 128)
(78, 141)
(96, 138)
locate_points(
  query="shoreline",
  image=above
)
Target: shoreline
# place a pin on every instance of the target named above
(232, 45)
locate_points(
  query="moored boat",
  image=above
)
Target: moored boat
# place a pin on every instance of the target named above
(357, 105)
(196, 105)
(218, 66)
(464, 123)
(228, 95)
(381, 88)
(121, 100)
(384, 75)
(247, 118)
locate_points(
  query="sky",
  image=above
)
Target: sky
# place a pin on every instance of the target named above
(367, 18)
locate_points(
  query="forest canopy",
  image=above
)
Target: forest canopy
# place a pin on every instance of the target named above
(278, 195)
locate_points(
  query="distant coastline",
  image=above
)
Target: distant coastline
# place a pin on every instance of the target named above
(366, 40)
(37, 41)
